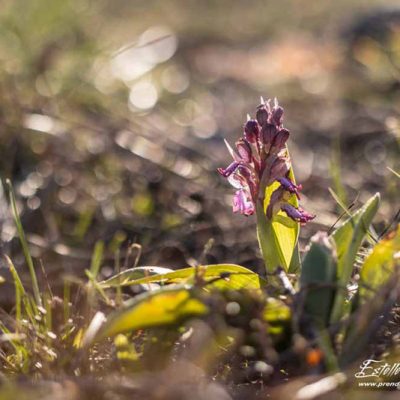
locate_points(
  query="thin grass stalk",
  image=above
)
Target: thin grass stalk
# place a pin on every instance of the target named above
(24, 244)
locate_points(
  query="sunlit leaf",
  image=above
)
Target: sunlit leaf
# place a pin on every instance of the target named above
(348, 238)
(379, 265)
(133, 273)
(221, 276)
(281, 234)
(166, 306)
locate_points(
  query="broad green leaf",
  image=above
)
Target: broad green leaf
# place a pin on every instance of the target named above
(379, 265)
(221, 276)
(278, 238)
(348, 238)
(318, 278)
(166, 306)
(131, 274)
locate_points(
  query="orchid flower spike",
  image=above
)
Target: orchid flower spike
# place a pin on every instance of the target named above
(260, 158)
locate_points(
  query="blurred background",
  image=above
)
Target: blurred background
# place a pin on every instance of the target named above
(113, 114)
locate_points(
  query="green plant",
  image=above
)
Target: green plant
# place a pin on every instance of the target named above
(261, 171)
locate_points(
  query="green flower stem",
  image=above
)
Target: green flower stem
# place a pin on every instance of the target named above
(263, 235)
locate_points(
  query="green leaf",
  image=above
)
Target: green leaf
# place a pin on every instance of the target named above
(379, 265)
(348, 238)
(221, 276)
(278, 237)
(336, 174)
(318, 278)
(21, 297)
(97, 258)
(131, 274)
(166, 306)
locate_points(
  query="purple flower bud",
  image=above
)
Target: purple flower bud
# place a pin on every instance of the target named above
(277, 115)
(280, 139)
(289, 186)
(279, 169)
(251, 130)
(268, 134)
(244, 150)
(262, 114)
(229, 170)
(242, 203)
(297, 214)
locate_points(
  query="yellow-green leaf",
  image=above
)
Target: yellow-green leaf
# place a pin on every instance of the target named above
(221, 276)
(131, 274)
(281, 234)
(379, 265)
(166, 306)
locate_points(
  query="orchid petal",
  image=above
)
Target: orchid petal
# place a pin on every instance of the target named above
(297, 214)
(289, 186)
(229, 170)
(236, 181)
(242, 203)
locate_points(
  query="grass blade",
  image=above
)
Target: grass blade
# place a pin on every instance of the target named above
(24, 244)
(21, 296)
(393, 172)
(97, 258)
